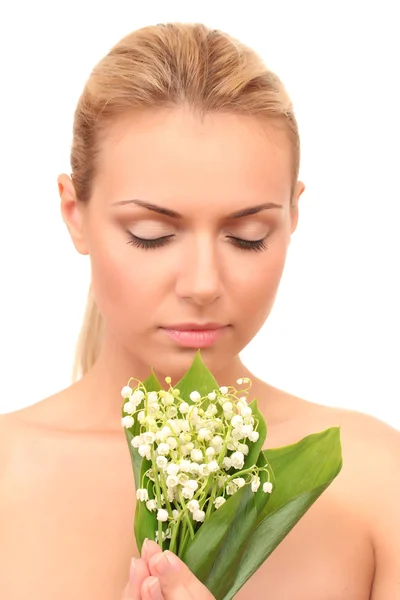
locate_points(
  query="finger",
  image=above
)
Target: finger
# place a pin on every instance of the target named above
(176, 580)
(151, 589)
(150, 549)
(137, 575)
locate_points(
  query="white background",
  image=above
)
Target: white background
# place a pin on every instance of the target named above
(333, 336)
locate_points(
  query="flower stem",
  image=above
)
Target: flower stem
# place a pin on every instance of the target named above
(187, 517)
(158, 494)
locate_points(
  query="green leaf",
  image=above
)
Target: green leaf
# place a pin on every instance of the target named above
(255, 447)
(197, 378)
(304, 470)
(145, 520)
(212, 533)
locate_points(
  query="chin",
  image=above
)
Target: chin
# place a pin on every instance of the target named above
(177, 362)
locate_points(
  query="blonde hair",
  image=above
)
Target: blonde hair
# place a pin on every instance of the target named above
(168, 65)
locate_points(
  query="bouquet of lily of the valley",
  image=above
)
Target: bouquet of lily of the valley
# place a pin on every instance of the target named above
(205, 488)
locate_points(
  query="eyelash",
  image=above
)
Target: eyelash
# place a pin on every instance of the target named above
(255, 246)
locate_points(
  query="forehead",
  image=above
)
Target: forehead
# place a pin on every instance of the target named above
(173, 156)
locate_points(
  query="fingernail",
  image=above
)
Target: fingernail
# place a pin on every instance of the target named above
(132, 569)
(155, 590)
(161, 564)
(172, 559)
(144, 548)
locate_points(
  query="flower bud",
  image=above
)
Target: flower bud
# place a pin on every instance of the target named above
(184, 408)
(193, 505)
(219, 501)
(162, 515)
(127, 422)
(194, 396)
(142, 494)
(129, 408)
(126, 391)
(199, 515)
(211, 396)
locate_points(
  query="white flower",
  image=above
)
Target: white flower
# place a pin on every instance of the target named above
(162, 514)
(231, 488)
(163, 433)
(161, 462)
(199, 515)
(170, 494)
(163, 449)
(213, 466)
(237, 434)
(217, 442)
(184, 407)
(204, 434)
(194, 468)
(211, 396)
(173, 469)
(137, 397)
(211, 410)
(243, 448)
(204, 470)
(239, 381)
(148, 437)
(172, 481)
(227, 406)
(127, 422)
(172, 411)
(137, 441)
(231, 446)
(185, 425)
(255, 484)
(142, 494)
(240, 482)
(152, 397)
(253, 436)
(184, 465)
(245, 411)
(187, 493)
(193, 505)
(196, 455)
(172, 443)
(141, 416)
(237, 459)
(267, 487)
(183, 478)
(126, 391)
(151, 505)
(175, 513)
(210, 452)
(144, 450)
(219, 501)
(194, 396)
(237, 421)
(184, 438)
(192, 484)
(129, 408)
(227, 463)
(247, 429)
(167, 399)
(223, 390)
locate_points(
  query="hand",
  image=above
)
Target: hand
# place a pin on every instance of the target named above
(163, 576)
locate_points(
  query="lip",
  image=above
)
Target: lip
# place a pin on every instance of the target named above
(193, 335)
(195, 326)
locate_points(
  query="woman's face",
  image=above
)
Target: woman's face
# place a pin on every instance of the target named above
(168, 246)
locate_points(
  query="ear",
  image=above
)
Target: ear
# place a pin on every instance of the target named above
(294, 207)
(72, 212)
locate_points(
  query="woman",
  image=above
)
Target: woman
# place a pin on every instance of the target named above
(184, 193)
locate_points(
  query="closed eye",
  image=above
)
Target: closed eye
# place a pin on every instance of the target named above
(148, 244)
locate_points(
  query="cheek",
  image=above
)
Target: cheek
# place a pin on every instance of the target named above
(258, 283)
(123, 283)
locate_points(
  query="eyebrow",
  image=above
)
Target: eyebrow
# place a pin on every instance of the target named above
(245, 212)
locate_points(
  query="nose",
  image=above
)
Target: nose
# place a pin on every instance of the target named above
(199, 278)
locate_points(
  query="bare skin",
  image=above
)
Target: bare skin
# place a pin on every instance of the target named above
(69, 495)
